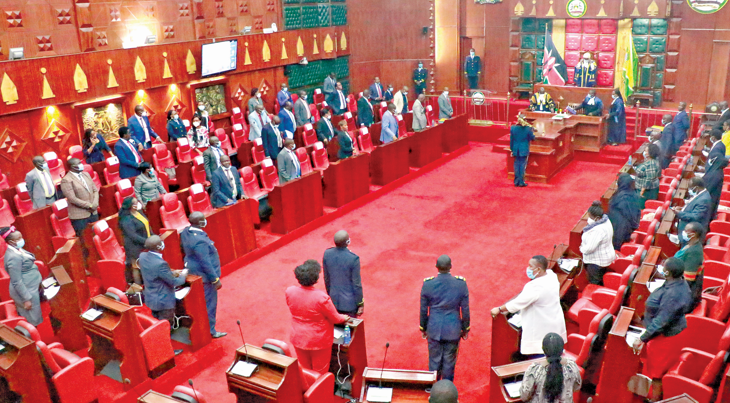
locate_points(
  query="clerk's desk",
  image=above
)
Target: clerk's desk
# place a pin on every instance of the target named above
(409, 386)
(552, 149)
(277, 378)
(65, 312)
(589, 132)
(354, 354)
(620, 363)
(572, 94)
(20, 365)
(503, 374)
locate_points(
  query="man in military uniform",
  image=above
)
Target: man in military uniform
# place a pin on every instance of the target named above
(342, 276)
(473, 69)
(201, 258)
(419, 78)
(444, 317)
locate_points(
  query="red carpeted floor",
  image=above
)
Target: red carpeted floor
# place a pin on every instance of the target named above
(466, 209)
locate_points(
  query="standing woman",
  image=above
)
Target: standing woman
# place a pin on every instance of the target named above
(147, 186)
(624, 211)
(24, 276)
(175, 126)
(647, 175)
(93, 145)
(617, 119)
(346, 143)
(554, 381)
(198, 134)
(254, 100)
(597, 244)
(135, 229)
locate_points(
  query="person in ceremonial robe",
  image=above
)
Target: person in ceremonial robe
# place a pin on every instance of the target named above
(592, 105)
(617, 119)
(585, 72)
(541, 101)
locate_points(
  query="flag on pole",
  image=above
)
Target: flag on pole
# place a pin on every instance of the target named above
(630, 68)
(554, 71)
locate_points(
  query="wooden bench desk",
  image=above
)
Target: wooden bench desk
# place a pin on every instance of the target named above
(277, 378)
(20, 365)
(409, 386)
(504, 374)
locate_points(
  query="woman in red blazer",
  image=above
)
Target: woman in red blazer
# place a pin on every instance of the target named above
(313, 318)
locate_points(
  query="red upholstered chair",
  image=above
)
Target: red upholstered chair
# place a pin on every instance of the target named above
(572, 42)
(199, 171)
(604, 78)
(72, 377)
(172, 213)
(365, 141)
(187, 394)
(94, 175)
(350, 119)
(589, 42)
(351, 103)
(111, 170)
(124, 190)
(314, 111)
(319, 157)
(430, 115)
(573, 26)
(257, 151)
(277, 108)
(318, 97)
(572, 58)
(626, 257)
(571, 74)
(55, 165)
(162, 158)
(607, 43)
(250, 184)
(612, 281)
(586, 350)
(225, 141)
(8, 314)
(715, 273)
(61, 224)
(112, 263)
(402, 130)
(316, 387)
(28, 330)
(183, 151)
(600, 299)
(23, 202)
(383, 108)
(236, 116)
(186, 123)
(590, 26)
(304, 162)
(240, 134)
(294, 98)
(6, 214)
(199, 199)
(4, 184)
(75, 152)
(309, 135)
(324, 105)
(269, 175)
(606, 60)
(608, 26)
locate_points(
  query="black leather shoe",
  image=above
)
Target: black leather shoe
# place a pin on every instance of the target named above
(218, 335)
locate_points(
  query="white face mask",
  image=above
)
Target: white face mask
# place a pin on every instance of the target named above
(471, 54)
(196, 124)
(614, 96)
(591, 221)
(80, 167)
(258, 95)
(204, 224)
(161, 247)
(201, 107)
(446, 93)
(304, 97)
(139, 206)
(284, 89)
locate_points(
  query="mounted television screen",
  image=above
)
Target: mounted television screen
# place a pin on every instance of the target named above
(219, 57)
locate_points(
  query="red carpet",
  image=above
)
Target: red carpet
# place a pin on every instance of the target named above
(467, 209)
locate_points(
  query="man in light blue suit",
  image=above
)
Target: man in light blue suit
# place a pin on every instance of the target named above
(288, 121)
(139, 126)
(226, 183)
(389, 128)
(283, 96)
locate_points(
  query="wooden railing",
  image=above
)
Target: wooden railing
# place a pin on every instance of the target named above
(647, 117)
(494, 110)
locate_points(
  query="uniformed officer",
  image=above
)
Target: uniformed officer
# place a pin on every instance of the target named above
(473, 69)
(444, 317)
(342, 276)
(201, 258)
(419, 78)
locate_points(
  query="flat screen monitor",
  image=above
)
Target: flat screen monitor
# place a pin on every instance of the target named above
(219, 57)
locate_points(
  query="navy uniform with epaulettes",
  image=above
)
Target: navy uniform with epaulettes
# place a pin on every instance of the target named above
(419, 80)
(444, 318)
(201, 258)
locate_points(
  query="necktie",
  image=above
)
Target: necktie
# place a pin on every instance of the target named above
(144, 127)
(296, 163)
(342, 99)
(137, 159)
(380, 92)
(81, 178)
(328, 124)
(234, 190)
(48, 188)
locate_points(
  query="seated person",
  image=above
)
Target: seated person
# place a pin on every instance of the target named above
(541, 101)
(697, 208)
(592, 105)
(692, 255)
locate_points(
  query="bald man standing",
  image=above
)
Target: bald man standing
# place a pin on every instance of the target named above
(443, 391)
(342, 276)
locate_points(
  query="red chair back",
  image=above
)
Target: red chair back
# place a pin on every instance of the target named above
(240, 134)
(251, 186)
(315, 112)
(351, 103)
(257, 151)
(269, 175)
(172, 213)
(55, 165)
(383, 108)
(124, 190)
(76, 152)
(23, 202)
(4, 184)
(430, 115)
(225, 141)
(319, 157)
(318, 97)
(111, 171)
(199, 170)
(106, 242)
(236, 116)
(309, 136)
(59, 220)
(351, 125)
(162, 158)
(402, 130)
(199, 199)
(6, 214)
(94, 175)
(183, 150)
(304, 163)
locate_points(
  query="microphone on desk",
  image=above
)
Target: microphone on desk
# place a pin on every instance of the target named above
(195, 392)
(245, 350)
(380, 384)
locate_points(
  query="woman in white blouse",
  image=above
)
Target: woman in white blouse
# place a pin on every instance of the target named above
(198, 134)
(539, 303)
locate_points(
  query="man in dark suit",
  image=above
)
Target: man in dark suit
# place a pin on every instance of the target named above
(365, 109)
(342, 276)
(724, 116)
(376, 91)
(212, 157)
(127, 151)
(287, 163)
(288, 122)
(473, 69)
(444, 317)
(338, 100)
(656, 139)
(226, 184)
(681, 125)
(520, 136)
(325, 130)
(697, 208)
(591, 105)
(159, 280)
(419, 78)
(329, 85)
(667, 139)
(39, 183)
(717, 147)
(347, 147)
(140, 127)
(272, 138)
(201, 258)
(388, 95)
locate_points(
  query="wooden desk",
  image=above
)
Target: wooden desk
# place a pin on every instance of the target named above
(155, 397)
(425, 146)
(505, 348)
(65, 312)
(639, 290)
(37, 231)
(681, 193)
(389, 162)
(620, 363)
(233, 241)
(505, 374)
(276, 379)
(575, 95)
(346, 180)
(661, 239)
(296, 203)
(606, 197)
(107, 201)
(196, 330)
(570, 283)
(115, 336)
(20, 365)
(551, 151)
(589, 132)
(71, 258)
(454, 133)
(576, 234)
(409, 386)
(354, 354)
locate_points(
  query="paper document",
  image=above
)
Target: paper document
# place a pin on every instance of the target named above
(515, 320)
(380, 395)
(339, 335)
(673, 238)
(182, 293)
(633, 334)
(567, 265)
(513, 389)
(51, 292)
(725, 209)
(243, 368)
(699, 174)
(654, 285)
(49, 282)
(92, 314)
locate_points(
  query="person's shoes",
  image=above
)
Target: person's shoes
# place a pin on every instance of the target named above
(218, 335)
(178, 352)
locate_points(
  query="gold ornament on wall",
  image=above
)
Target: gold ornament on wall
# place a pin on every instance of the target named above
(551, 12)
(47, 91)
(328, 45)
(653, 9)
(315, 51)
(190, 63)
(534, 8)
(80, 82)
(519, 8)
(9, 90)
(266, 52)
(636, 12)
(247, 57)
(343, 41)
(166, 73)
(300, 47)
(602, 12)
(112, 80)
(140, 72)
(284, 56)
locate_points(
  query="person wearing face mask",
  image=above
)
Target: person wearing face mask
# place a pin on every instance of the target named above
(201, 258)
(175, 126)
(330, 82)
(693, 256)
(226, 184)
(325, 129)
(147, 186)
(400, 100)
(212, 157)
(82, 196)
(24, 276)
(342, 276)
(697, 208)
(254, 101)
(541, 101)
(446, 111)
(624, 211)
(288, 163)
(139, 126)
(388, 95)
(128, 154)
(389, 125)
(666, 140)
(257, 120)
(338, 100)
(198, 134)
(617, 120)
(272, 138)
(365, 110)
(539, 306)
(302, 114)
(597, 244)
(657, 139)
(284, 96)
(591, 105)
(94, 145)
(38, 181)
(376, 91)
(288, 121)
(345, 141)
(205, 121)
(473, 69)
(647, 175)
(420, 75)
(420, 121)
(136, 230)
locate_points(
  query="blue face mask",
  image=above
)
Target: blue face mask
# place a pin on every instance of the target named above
(20, 243)
(530, 273)
(44, 166)
(685, 237)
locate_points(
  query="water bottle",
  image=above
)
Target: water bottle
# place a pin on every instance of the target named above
(630, 160)
(348, 335)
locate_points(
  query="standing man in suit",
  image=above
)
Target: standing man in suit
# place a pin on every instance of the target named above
(40, 186)
(420, 75)
(444, 317)
(338, 100)
(697, 208)
(204, 118)
(342, 276)
(226, 183)
(330, 83)
(301, 110)
(473, 69)
(272, 139)
(284, 95)
(388, 95)
(667, 139)
(446, 111)
(591, 105)
(257, 120)
(140, 127)
(400, 99)
(365, 109)
(288, 121)
(389, 125)
(724, 115)
(201, 258)
(656, 139)
(288, 163)
(325, 131)
(82, 196)
(345, 141)
(127, 151)
(420, 121)
(376, 91)
(159, 280)
(212, 157)
(681, 125)
(520, 136)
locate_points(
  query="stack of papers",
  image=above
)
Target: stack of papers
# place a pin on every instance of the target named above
(633, 334)
(49, 282)
(92, 314)
(243, 368)
(567, 265)
(51, 292)
(674, 238)
(513, 389)
(654, 285)
(182, 293)
(515, 320)
(379, 395)
(339, 335)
